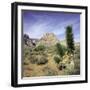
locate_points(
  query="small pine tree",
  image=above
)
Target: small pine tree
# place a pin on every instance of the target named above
(60, 51)
(69, 39)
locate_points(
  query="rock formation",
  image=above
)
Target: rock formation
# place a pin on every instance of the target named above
(48, 39)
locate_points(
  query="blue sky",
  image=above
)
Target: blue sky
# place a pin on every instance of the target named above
(36, 23)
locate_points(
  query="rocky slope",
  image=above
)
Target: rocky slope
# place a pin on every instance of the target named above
(48, 39)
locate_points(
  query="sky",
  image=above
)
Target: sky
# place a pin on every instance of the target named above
(36, 23)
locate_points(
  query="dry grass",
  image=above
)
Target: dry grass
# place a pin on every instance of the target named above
(48, 69)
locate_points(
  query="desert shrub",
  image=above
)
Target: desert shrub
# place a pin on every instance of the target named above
(77, 52)
(26, 52)
(39, 60)
(25, 63)
(42, 60)
(39, 48)
(57, 59)
(64, 49)
(33, 59)
(60, 49)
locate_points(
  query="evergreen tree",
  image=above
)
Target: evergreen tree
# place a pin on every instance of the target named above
(60, 50)
(69, 39)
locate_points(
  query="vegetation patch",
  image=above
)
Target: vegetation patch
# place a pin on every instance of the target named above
(48, 57)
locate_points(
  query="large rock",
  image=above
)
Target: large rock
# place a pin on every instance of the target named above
(31, 42)
(48, 39)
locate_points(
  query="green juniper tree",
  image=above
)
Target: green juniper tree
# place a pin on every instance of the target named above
(69, 39)
(60, 50)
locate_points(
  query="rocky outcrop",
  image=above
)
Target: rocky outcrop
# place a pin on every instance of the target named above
(29, 41)
(48, 39)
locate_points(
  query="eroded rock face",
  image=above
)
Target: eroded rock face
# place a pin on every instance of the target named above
(48, 39)
(30, 42)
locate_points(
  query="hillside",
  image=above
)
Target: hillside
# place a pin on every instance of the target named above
(48, 56)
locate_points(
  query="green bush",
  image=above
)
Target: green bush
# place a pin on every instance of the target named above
(57, 59)
(64, 49)
(26, 52)
(42, 60)
(39, 48)
(25, 63)
(60, 49)
(39, 60)
(33, 59)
